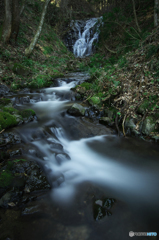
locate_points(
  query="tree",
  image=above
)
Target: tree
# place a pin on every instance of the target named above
(29, 50)
(7, 26)
(13, 10)
(156, 13)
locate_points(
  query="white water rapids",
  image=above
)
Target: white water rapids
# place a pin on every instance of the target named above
(84, 162)
(80, 160)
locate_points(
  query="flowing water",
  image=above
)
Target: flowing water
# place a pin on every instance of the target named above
(84, 161)
(87, 37)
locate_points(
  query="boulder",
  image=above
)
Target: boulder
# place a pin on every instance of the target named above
(76, 110)
(106, 121)
(3, 90)
(148, 126)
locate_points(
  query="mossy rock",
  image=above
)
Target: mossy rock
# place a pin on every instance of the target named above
(7, 120)
(10, 110)
(27, 113)
(94, 101)
(20, 70)
(76, 110)
(110, 113)
(148, 125)
(143, 107)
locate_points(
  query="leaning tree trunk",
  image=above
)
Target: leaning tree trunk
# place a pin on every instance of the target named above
(7, 26)
(156, 13)
(29, 50)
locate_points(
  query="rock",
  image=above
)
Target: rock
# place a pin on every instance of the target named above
(30, 210)
(17, 152)
(148, 126)
(106, 121)
(19, 119)
(5, 199)
(101, 208)
(76, 110)
(80, 90)
(3, 90)
(99, 202)
(61, 158)
(10, 138)
(131, 127)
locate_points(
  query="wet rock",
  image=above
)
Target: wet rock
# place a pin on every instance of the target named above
(76, 110)
(108, 203)
(35, 178)
(3, 90)
(30, 210)
(10, 197)
(92, 112)
(148, 126)
(61, 158)
(21, 100)
(99, 212)
(106, 121)
(19, 119)
(17, 152)
(5, 199)
(130, 126)
(101, 208)
(9, 138)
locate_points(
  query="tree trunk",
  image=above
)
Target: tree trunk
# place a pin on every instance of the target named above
(136, 21)
(156, 13)
(29, 50)
(7, 26)
(15, 19)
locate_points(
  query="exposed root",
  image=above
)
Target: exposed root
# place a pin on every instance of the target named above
(123, 125)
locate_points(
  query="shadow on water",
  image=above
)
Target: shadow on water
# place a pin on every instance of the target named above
(86, 165)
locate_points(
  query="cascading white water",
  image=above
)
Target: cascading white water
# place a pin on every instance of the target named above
(84, 44)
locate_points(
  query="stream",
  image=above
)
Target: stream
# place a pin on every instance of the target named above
(85, 163)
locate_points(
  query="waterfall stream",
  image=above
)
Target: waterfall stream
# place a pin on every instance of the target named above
(79, 156)
(83, 36)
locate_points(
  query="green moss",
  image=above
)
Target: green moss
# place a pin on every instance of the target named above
(94, 100)
(10, 110)
(27, 113)
(6, 178)
(7, 120)
(86, 85)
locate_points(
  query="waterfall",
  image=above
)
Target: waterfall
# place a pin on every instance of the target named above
(84, 44)
(82, 36)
